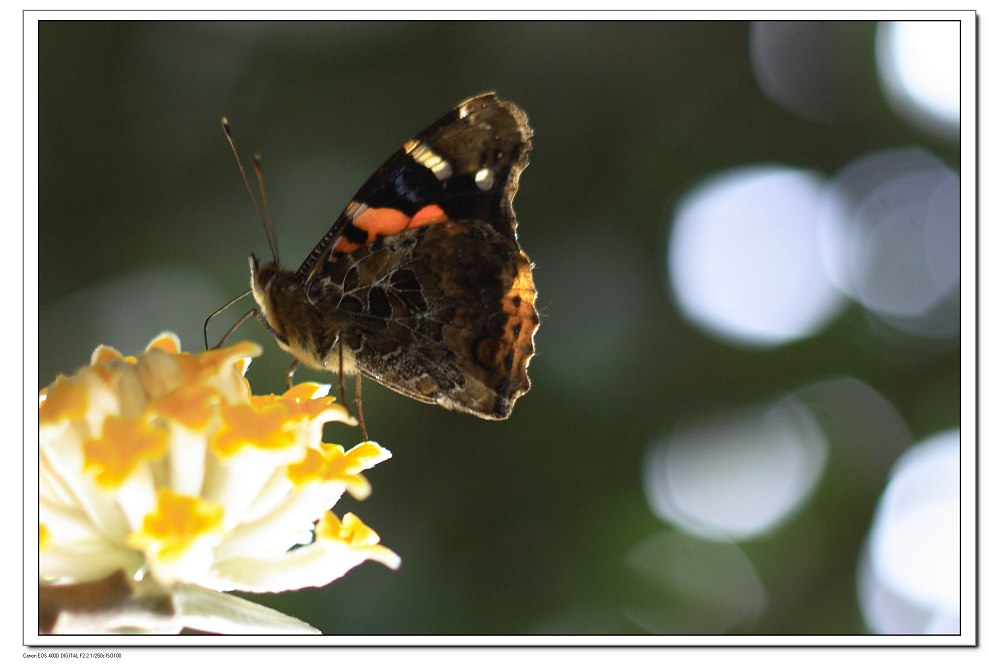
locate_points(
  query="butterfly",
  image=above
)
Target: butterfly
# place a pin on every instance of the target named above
(421, 283)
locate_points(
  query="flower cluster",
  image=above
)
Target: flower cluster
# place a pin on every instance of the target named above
(166, 467)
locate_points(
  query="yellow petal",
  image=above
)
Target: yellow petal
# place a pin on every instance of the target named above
(168, 342)
(65, 399)
(245, 426)
(124, 444)
(190, 405)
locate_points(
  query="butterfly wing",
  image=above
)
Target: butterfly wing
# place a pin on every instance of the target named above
(442, 313)
(465, 166)
(421, 280)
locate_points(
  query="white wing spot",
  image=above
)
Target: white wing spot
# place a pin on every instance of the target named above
(485, 179)
(355, 209)
(439, 166)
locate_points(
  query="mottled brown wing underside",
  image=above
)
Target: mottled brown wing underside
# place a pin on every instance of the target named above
(443, 314)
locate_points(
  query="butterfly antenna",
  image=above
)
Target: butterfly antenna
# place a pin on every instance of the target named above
(268, 220)
(249, 190)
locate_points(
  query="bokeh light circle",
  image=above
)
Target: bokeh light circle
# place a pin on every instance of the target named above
(890, 234)
(713, 586)
(744, 260)
(919, 63)
(738, 475)
(814, 69)
(910, 575)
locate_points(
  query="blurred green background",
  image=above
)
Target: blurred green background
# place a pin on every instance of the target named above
(543, 523)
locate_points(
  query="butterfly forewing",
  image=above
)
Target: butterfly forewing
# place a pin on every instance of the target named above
(465, 166)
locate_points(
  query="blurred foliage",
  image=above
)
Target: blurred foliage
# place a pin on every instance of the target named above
(504, 528)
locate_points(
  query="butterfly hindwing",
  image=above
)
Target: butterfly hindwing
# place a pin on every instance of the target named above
(442, 313)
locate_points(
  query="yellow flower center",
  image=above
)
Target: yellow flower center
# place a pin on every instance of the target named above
(177, 523)
(350, 531)
(44, 537)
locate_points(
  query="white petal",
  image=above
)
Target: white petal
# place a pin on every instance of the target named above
(62, 462)
(85, 561)
(315, 565)
(186, 461)
(136, 497)
(208, 610)
(278, 530)
(236, 482)
(194, 564)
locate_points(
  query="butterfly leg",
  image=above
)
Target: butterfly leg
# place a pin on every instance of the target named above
(357, 401)
(233, 329)
(357, 394)
(339, 380)
(290, 375)
(228, 334)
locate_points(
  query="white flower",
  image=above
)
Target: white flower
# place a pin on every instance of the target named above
(166, 468)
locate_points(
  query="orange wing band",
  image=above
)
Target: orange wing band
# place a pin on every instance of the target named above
(380, 222)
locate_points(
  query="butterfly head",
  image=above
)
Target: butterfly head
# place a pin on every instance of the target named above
(272, 288)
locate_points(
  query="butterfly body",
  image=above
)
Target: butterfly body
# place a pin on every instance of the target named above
(421, 283)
